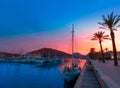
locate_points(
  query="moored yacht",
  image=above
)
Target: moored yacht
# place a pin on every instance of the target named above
(71, 73)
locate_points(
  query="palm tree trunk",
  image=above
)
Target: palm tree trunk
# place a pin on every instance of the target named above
(103, 58)
(114, 48)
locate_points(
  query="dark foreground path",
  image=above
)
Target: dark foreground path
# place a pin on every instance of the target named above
(89, 80)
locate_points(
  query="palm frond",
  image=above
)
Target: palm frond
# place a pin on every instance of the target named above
(114, 29)
(94, 39)
(111, 16)
(102, 24)
(100, 36)
(117, 26)
(104, 18)
(101, 27)
(110, 21)
(116, 20)
(106, 36)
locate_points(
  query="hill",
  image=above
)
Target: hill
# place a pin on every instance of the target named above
(48, 52)
(78, 55)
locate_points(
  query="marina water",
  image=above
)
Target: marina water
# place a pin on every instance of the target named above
(16, 75)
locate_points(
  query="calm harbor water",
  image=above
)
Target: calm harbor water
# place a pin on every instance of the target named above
(14, 75)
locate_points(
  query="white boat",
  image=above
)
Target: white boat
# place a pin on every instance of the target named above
(71, 73)
(39, 63)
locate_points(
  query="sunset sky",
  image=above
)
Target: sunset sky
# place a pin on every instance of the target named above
(28, 25)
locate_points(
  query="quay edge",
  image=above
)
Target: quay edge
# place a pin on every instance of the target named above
(104, 80)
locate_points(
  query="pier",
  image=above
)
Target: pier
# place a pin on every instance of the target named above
(103, 75)
(87, 79)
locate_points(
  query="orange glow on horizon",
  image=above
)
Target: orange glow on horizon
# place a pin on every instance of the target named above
(82, 43)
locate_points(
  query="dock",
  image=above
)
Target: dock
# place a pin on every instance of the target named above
(103, 75)
(87, 79)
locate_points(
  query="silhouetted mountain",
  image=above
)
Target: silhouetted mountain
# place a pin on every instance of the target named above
(48, 52)
(78, 55)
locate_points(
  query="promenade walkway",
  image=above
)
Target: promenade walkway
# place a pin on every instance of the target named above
(87, 79)
(107, 73)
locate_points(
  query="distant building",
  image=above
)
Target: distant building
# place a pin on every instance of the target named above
(5, 55)
(33, 55)
(118, 55)
(112, 55)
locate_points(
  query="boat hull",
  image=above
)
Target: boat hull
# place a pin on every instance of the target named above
(71, 75)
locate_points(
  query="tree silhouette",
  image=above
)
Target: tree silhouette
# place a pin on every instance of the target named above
(92, 53)
(106, 49)
(100, 37)
(111, 22)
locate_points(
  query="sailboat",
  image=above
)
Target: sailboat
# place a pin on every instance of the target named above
(71, 73)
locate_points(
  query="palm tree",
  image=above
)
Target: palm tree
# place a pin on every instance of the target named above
(100, 36)
(111, 22)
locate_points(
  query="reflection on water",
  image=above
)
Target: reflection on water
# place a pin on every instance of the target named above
(69, 84)
(14, 75)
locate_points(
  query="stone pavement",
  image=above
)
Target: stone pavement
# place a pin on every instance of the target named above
(108, 74)
(87, 79)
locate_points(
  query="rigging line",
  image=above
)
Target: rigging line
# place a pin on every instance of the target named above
(75, 43)
(70, 45)
(72, 39)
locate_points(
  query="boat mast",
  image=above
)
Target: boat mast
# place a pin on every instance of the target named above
(72, 41)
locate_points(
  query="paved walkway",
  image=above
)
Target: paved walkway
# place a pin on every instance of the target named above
(109, 73)
(89, 80)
